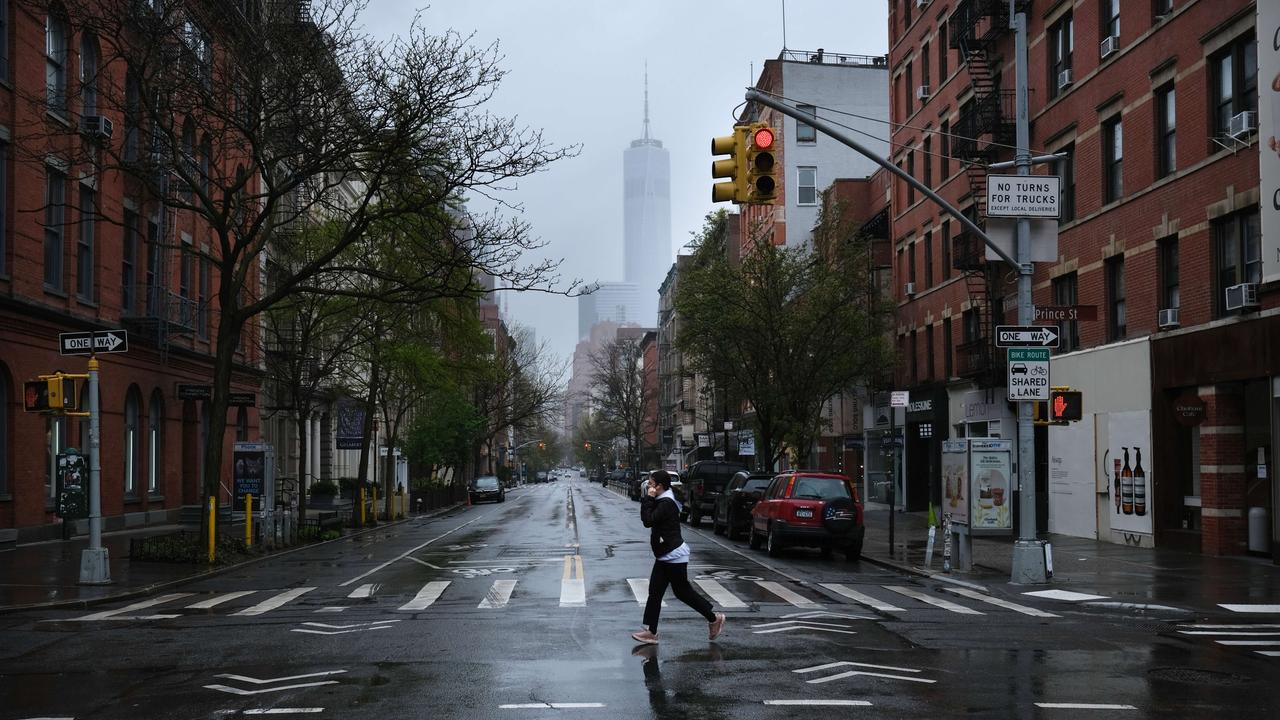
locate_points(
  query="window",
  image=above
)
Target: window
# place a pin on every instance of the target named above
(199, 50)
(242, 424)
(1066, 169)
(928, 162)
(805, 132)
(55, 67)
(911, 263)
(1234, 75)
(972, 326)
(946, 248)
(915, 359)
(129, 263)
(1239, 253)
(4, 203)
(911, 90)
(1061, 44)
(807, 185)
(924, 64)
(1109, 18)
(85, 246)
(1166, 132)
(206, 151)
(4, 66)
(186, 277)
(154, 280)
(1115, 299)
(1066, 292)
(943, 71)
(911, 170)
(131, 447)
(55, 440)
(132, 113)
(1112, 160)
(89, 58)
(1160, 8)
(928, 352)
(1170, 298)
(202, 301)
(944, 141)
(5, 422)
(188, 157)
(928, 260)
(948, 368)
(54, 227)
(155, 442)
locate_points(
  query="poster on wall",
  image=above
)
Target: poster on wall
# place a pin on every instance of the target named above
(955, 480)
(1269, 135)
(350, 430)
(990, 485)
(1073, 495)
(1127, 466)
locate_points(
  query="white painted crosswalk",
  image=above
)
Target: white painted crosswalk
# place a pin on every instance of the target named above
(426, 596)
(930, 600)
(1245, 636)
(276, 601)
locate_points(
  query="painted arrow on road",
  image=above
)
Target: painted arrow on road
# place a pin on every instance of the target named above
(851, 673)
(793, 625)
(343, 629)
(268, 681)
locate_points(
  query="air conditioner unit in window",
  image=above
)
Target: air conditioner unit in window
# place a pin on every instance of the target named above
(1242, 296)
(909, 289)
(1242, 123)
(922, 92)
(1161, 18)
(1168, 318)
(922, 3)
(1064, 78)
(96, 126)
(1110, 44)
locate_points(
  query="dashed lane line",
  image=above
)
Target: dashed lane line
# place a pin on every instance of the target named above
(1263, 609)
(820, 703)
(364, 591)
(1084, 706)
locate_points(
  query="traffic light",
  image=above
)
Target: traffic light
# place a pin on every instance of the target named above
(52, 392)
(762, 179)
(542, 446)
(733, 167)
(586, 446)
(1066, 405)
(35, 396)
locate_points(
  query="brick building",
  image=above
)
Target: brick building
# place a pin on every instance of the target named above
(87, 249)
(1153, 109)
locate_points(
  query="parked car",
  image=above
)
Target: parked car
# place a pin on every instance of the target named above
(487, 487)
(706, 480)
(809, 509)
(732, 514)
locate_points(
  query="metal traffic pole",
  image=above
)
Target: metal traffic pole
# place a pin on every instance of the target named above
(95, 568)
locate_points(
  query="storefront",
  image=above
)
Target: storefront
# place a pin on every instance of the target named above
(926, 421)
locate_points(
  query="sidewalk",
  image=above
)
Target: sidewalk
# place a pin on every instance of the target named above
(46, 574)
(1120, 573)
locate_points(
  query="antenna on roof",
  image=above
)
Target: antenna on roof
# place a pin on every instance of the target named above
(784, 24)
(646, 99)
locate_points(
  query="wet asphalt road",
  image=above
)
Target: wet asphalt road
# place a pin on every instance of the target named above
(524, 609)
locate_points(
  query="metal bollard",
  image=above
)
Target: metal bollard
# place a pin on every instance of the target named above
(248, 521)
(213, 527)
(946, 543)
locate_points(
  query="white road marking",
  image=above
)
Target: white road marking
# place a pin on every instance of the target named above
(1084, 706)
(353, 625)
(553, 706)
(719, 594)
(852, 673)
(928, 599)
(238, 691)
(820, 703)
(281, 711)
(1247, 626)
(272, 603)
(413, 550)
(426, 596)
(264, 681)
(803, 622)
(1268, 653)
(1263, 643)
(823, 614)
(1229, 632)
(499, 594)
(49, 718)
(640, 588)
(1271, 609)
(332, 609)
(364, 591)
(844, 663)
(787, 594)
(573, 584)
(115, 614)
(998, 602)
(1065, 595)
(219, 599)
(802, 626)
(858, 597)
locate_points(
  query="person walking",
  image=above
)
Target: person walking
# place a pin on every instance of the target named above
(660, 512)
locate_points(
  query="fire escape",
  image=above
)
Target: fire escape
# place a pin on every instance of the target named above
(983, 131)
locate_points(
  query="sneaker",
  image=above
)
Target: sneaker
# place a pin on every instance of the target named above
(646, 637)
(715, 627)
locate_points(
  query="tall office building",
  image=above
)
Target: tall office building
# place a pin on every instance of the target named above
(646, 212)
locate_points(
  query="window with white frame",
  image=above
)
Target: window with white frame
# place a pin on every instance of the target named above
(55, 51)
(54, 226)
(132, 416)
(805, 132)
(89, 58)
(155, 441)
(807, 185)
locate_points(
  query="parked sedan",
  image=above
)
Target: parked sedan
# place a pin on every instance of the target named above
(809, 509)
(487, 487)
(732, 513)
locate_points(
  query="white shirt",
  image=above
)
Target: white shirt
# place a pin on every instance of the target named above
(680, 554)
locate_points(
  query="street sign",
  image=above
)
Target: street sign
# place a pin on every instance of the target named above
(1008, 336)
(1023, 196)
(195, 392)
(1065, 313)
(899, 398)
(242, 399)
(1028, 374)
(85, 343)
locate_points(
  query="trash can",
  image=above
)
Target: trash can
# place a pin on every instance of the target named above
(1258, 541)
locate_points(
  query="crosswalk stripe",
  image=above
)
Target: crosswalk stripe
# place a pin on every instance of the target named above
(364, 591)
(107, 614)
(1249, 642)
(998, 602)
(858, 597)
(498, 595)
(640, 588)
(219, 599)
(276, 601)
(787, 594)
(934, 601)
(1232, 632)
(573, 584)
(719, 594)
(427, 595)
(1246, 626)
(1268, 653)
(1266, 609)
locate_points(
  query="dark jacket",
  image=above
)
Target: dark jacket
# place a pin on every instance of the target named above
(662, 517)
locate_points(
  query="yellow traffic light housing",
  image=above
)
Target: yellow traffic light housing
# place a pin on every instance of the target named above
(733, 167)
(55, 393)
(761, 165)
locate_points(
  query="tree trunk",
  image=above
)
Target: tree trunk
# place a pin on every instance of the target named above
(216, 433)
(370, 402)
(304, 431)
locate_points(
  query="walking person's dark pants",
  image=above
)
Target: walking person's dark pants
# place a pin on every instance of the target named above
(677, 576)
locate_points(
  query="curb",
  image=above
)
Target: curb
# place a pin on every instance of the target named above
(156, 587)
(922, 572)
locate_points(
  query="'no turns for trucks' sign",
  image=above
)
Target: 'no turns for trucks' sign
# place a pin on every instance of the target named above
(1028, 374)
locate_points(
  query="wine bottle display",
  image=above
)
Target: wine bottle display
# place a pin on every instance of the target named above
(1126, 486)
(1116, 478)
(1139, 485)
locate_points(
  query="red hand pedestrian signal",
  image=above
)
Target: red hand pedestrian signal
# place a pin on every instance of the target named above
(1059, 406)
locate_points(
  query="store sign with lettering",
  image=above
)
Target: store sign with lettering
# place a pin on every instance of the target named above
(1189, 410)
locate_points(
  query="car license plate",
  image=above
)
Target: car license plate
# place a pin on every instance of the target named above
(804, 512)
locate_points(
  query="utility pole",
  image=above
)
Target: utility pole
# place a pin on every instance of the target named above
(95, 568)
(1028, 551)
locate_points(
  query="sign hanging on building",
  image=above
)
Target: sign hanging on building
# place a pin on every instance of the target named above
(86, 343)
(1268, 137)
(1023, 196)
(242, 399)
(350, 435)
(899, 398)
(194, 392)
(1028, 374)
(1065, 313)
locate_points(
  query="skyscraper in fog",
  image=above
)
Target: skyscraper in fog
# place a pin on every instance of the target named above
(646, 214)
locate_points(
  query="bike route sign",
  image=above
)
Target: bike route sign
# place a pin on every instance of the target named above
(1028, 374)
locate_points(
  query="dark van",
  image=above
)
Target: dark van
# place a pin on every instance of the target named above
(704, 482)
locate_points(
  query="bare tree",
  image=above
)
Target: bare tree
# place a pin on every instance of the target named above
(520, 387)
(620, 394)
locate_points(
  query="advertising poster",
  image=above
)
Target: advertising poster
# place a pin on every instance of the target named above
(746, 442)
(350, 430)
(248, 469)
(1269, 135)
(1127, 467)
(955, 480)
(1073, 496)
(990, 484)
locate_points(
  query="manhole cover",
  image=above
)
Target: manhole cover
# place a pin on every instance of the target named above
(1196, 675)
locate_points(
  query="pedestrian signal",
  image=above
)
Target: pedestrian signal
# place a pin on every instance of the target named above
(1066, 405)
(52, 392)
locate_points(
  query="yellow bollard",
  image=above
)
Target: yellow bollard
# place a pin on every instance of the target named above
(248, 521)
(375, 504)
(361, 507)
(213, 527)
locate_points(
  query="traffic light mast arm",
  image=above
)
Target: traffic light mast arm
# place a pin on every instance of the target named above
(754, 95)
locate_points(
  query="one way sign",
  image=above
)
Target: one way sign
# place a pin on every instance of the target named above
(86, 343)
(1026, 336)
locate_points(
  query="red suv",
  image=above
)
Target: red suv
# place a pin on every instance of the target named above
(809, 509)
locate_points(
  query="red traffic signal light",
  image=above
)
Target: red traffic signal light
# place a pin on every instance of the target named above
(763, 138)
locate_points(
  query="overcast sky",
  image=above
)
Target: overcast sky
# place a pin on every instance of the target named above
(576, 70)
